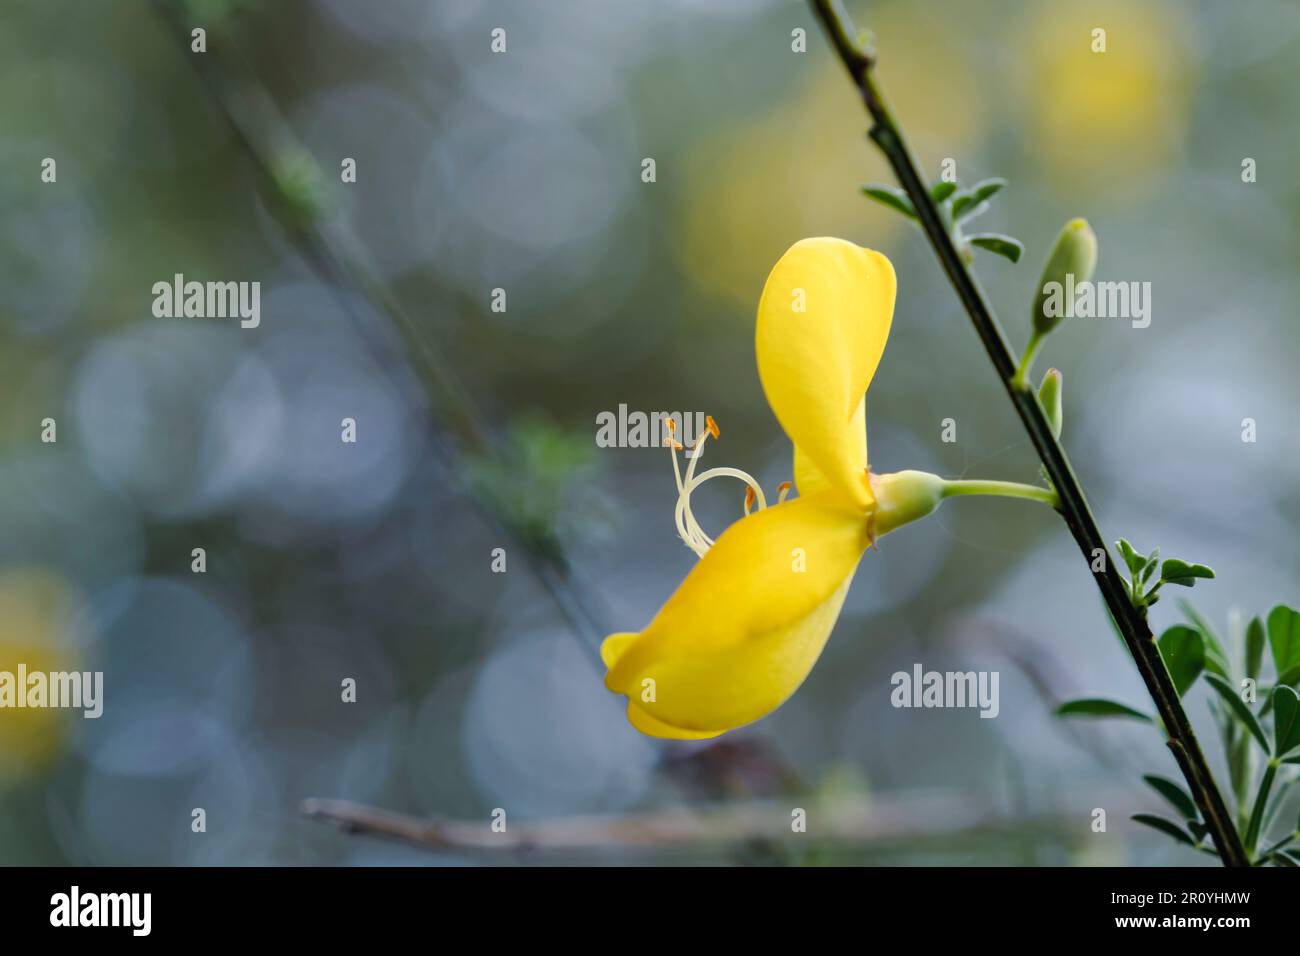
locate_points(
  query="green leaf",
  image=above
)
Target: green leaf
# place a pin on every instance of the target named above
(1167, 827)
(1239, 708)
(1183, 651)
(1284, 637)
(969, 210)
(1291, 677)
(1179, 798)
(1286, 858)
(1216, 659)
(1286, 720)
(527, 480)
(1152, 562)
(1254, 646)
(976, 195)
(1100, 707)
(1007, 247)
(942, 190)
(890, 196)
(1130, 556)
(1175, 571)
(986, 187)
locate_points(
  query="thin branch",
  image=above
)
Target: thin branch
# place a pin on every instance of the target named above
(336, 257)
(860, 62)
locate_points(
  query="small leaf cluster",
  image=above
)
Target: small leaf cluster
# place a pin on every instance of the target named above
(527, 477)
(1258, 721)
(1142, 582)
(957, 205)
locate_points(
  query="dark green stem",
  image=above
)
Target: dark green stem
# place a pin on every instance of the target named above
(860, 60)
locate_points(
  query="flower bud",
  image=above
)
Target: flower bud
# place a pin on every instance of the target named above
(1072, 261)
(1049, 396)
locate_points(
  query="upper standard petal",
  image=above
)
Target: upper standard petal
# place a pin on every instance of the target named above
(823, 321)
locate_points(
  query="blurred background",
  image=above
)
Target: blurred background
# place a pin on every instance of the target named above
(522, 171)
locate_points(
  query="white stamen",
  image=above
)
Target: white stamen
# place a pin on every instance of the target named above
(688, 527)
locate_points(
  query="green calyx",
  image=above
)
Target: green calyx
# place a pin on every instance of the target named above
(903, 497)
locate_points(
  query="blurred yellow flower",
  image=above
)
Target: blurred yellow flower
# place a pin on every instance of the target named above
(792, 169)
(37, 617)
(1116, 115)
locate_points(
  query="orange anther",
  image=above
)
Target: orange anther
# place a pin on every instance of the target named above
(749, 498)
(783, 487)
(712, 426)
(672, 425)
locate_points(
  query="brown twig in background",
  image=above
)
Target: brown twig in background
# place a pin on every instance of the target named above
(847, 821)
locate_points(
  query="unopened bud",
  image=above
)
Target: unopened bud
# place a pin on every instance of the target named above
(1049, 396)
(1072, 261)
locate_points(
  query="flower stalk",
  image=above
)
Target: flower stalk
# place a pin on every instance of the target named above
(1021, 377)
(859, 59)
(1000, 489)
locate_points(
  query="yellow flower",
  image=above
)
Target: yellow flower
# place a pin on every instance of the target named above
(38, 613)
(746, 626)
(748, 623)
(1108, 107)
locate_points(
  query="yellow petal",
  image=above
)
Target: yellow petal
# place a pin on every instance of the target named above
(808, 478)
(823, 320)
(612, 647)
(651, 727)
(746, 626)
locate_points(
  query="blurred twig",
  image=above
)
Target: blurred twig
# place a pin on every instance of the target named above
(336, 256)
(859, 58)
(1045, 674)
(851, 820)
